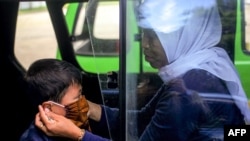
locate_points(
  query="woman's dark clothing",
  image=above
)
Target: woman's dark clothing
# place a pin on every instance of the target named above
(184, 117)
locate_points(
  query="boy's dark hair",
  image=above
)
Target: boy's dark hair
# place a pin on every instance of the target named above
(47, 79)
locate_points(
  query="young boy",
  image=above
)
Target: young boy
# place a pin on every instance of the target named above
(56, 85)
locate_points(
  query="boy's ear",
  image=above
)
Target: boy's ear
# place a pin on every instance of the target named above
(54, 107)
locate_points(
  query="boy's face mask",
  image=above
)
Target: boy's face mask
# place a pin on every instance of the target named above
(77, 112)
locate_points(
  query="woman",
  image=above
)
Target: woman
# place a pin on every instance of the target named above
(189, 34)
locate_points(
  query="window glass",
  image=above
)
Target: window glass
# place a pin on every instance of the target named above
(35, 36)
(80, 20)
(142, 81)
(106, 25)
(247, 19)
(94, 28)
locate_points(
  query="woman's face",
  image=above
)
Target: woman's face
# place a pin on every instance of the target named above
(153, 50)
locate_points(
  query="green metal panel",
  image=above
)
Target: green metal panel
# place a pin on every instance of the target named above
(241, 60)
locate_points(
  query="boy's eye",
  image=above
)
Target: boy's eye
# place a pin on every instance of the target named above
(79, 96)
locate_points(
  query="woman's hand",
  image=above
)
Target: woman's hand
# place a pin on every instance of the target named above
(56, 125)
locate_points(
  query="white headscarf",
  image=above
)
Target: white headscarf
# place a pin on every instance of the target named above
(188, 32)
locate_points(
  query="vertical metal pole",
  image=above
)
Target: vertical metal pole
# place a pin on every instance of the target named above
(122, 70)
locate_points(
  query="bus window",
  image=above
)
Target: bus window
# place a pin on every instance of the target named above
(31, 42)
(95, 35)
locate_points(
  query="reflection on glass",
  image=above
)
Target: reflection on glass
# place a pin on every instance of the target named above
(202, 33)
(247, 19)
